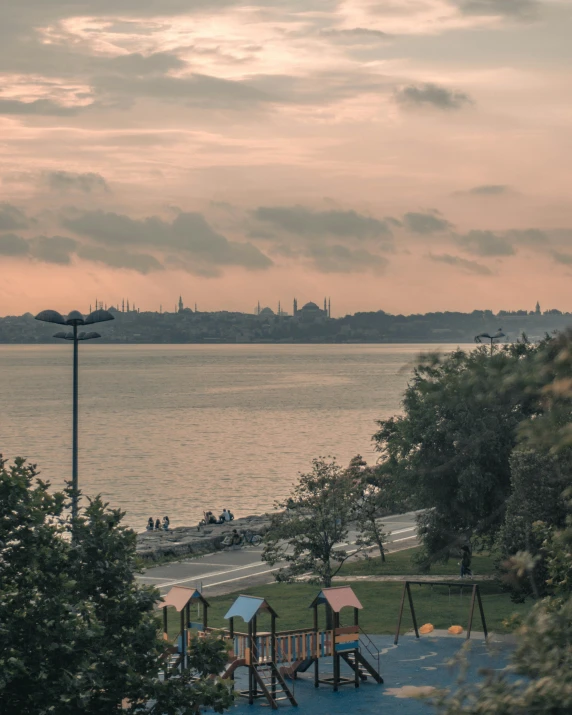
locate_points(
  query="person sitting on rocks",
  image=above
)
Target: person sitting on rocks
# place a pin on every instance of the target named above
(223, 518)
(236, 538)
(211, 518)
(229, 515)
(157, 525)
(166, 523)
(150, 524)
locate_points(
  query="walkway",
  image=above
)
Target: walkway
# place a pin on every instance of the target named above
(414, 577)
(227, 571)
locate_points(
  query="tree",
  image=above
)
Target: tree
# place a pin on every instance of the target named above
(374, 500)
(312, 524)
(77, 634)
(449, 452)
(543, 657)
(538, 480)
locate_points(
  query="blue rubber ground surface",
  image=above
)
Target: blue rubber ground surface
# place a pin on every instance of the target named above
(412, 662)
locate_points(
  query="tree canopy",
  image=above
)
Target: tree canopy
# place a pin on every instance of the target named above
(77, 633)
(449, 452)
(311, 528)
(539, 676)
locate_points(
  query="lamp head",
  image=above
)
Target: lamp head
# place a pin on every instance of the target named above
(75, 318)
(51, 316)
(88, 336)
(98, 316)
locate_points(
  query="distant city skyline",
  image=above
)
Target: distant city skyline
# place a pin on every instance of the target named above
(127, 305)
(412, 155)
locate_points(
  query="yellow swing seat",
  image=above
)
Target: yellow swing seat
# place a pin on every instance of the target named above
(426, 628)
(455, 630)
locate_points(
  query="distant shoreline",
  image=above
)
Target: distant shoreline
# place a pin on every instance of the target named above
(466, 341)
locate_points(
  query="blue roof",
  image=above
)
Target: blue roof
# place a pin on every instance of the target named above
(247, 607)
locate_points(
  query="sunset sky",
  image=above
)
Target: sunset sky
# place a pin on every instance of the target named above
(404, 155)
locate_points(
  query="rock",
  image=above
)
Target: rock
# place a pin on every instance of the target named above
(185, 540)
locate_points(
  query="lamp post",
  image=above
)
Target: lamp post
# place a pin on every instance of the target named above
(499, 334)
(73, 320)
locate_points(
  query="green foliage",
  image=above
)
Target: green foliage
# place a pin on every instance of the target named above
(208, 655)
(537, 480)
(548, 374)
(77, 634)
(374, 499)
(450, 450)
(312, 524)
(543, 657)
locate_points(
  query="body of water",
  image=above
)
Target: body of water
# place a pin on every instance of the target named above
(178, 429)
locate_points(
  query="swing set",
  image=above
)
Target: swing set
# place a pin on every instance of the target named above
(427, 628)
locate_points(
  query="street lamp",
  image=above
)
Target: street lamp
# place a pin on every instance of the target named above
(499, 334)
(74, 319)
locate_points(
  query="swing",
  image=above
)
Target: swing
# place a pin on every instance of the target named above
(428, 627)
(455, 630)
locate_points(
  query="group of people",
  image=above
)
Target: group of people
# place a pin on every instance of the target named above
(226, 515)
(157, 526)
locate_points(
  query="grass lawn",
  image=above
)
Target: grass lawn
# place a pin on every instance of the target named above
(438, 605)
(400, 563)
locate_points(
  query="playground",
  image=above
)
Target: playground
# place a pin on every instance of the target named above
(332, 665)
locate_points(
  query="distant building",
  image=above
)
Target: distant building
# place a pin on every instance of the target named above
(181, 307)
(311, 311)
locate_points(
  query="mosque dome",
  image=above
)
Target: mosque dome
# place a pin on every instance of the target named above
(266, 311)
(310, 307)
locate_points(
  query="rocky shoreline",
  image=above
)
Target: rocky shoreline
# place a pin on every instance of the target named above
(187, 540)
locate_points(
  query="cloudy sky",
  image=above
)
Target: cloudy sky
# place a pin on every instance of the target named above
(405, 155)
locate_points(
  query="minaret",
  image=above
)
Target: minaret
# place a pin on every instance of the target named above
(258, 308)
(329, 307)
(181, 306)
(90, 307)
(295, 307)
(128, 305)
(279, 309)
(195, 307)
(325, 307)
(123, 305)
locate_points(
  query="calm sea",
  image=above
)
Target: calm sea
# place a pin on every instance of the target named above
(177, 429)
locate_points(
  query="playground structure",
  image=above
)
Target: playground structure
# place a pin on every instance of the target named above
(273, 656)
(181, 599)
(428, 627)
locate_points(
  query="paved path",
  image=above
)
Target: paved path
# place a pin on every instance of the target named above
(226, 571)
(416, 577)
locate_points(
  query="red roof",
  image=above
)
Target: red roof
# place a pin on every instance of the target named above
(338, 597)
(179, 596)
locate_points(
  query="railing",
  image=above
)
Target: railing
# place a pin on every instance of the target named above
(370, 646)
(290, 645)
